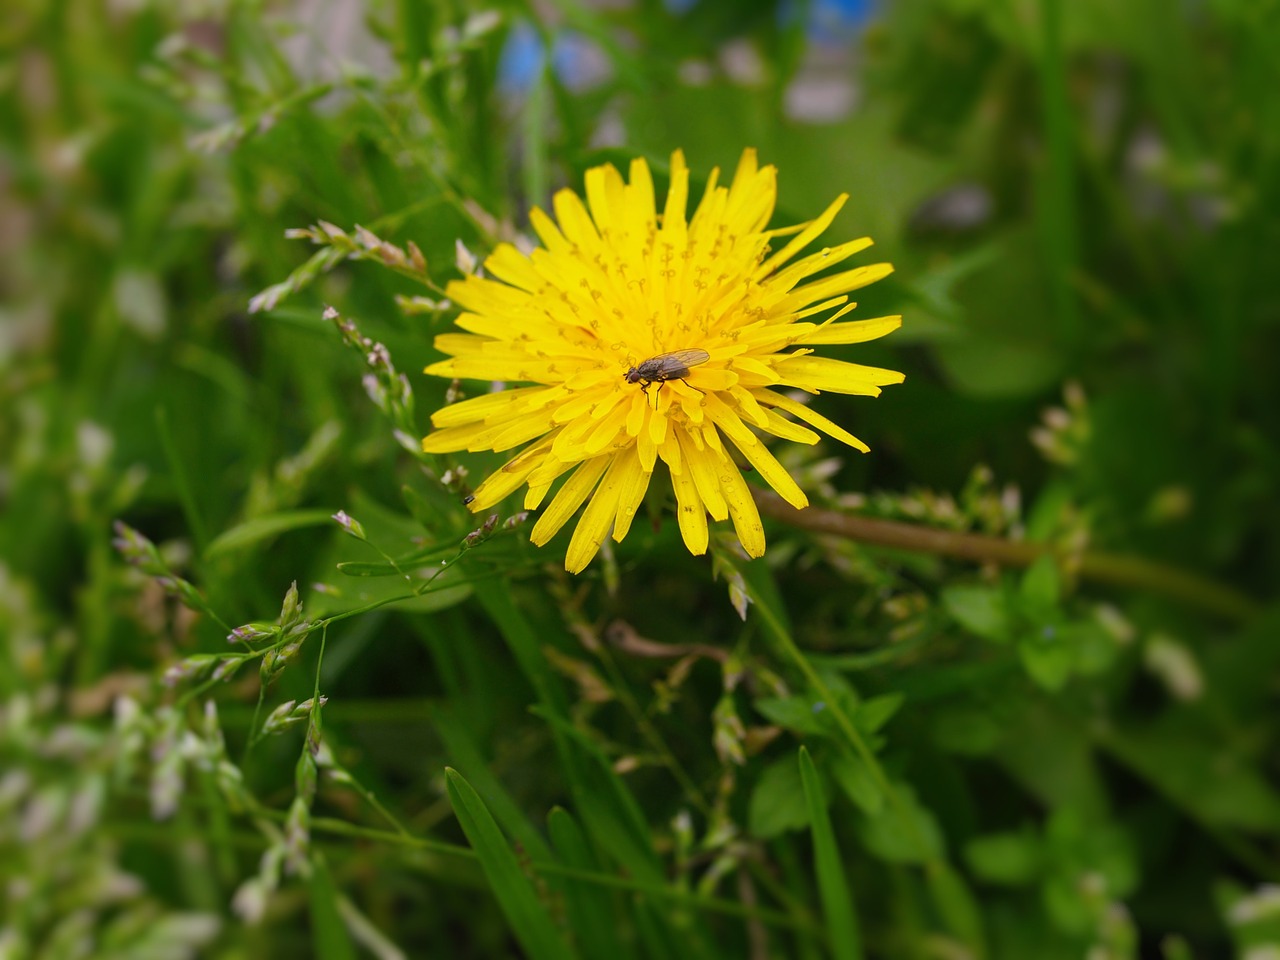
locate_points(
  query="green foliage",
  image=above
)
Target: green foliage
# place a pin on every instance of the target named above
(268, 689)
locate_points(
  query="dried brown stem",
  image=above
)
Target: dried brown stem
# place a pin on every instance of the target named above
(1116, 569)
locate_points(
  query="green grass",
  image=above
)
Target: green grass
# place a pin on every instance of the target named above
(1006, 690)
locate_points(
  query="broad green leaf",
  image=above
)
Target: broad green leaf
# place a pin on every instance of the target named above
(874, 713)
(980, 610)
(265, 527)
(1011, 859)
(903, 831)
(833, 887)
(1219, 787)
(855, 779)
(1041, 586)
(957, 906)
(777, 802)
(1045, 515)
(794, 713)
(529, 919)
(1048, 657)
(966, 728)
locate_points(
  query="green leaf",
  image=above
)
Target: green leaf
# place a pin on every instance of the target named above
(429, 556)
(265, 527)
(903, 831)
(1045, 515)
(872, 714)
(1041, 586)
(794, 713)
(855, 779)
(837, 904)
(777, 802)
(966, 729)
(957, 906)
(1011, 859)
(610, 811)
(464, 755)
(329, 936)
(1048, 657)
(588, 905)
(982, 611)
(529, 919)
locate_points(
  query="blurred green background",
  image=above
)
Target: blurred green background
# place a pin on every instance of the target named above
(1079, 758)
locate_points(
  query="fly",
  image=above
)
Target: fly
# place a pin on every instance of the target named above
(664, 367)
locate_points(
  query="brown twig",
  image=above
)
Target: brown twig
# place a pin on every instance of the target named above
(1112, 568)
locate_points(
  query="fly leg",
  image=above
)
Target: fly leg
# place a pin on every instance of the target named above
(701, 393)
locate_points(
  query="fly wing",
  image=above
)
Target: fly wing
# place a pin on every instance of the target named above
(678, 362)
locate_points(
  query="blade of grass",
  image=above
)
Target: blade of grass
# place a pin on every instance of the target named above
(590, 908)
(1057, 188)
(529, 920)
(261, 528)
(180, 480)
(329, 937)
(837, 904)
(463, 753)
(612, 815)
(768, 608)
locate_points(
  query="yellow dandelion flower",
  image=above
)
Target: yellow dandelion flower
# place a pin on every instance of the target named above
(647, 336)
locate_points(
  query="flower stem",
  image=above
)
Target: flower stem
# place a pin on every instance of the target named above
(1113, 568)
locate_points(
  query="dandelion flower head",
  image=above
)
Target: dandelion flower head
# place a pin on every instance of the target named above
(618, 282)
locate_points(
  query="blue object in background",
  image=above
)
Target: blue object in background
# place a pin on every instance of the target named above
(830, 21)
(574, 58)
(522, 59)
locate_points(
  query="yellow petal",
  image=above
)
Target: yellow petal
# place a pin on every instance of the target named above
(548, 232)
(839, 283)
(633, 483)
(780, 426)
(703, 467)
(759, 457)
(801, 240)
(486, 296)
(477, 367)
(500, 484)
(640, 207)
(511, 266)
(788, 278)
(519, 431)
(574, 220)
(591, 530)
(742, 509)
(457, 438)
(604, 196)
(811, 417)
(460, 344)
(677, 194)
(856, 331)
(690, 513)
(823, 373)
(568, 499)
(545, 474)
(478, 408)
